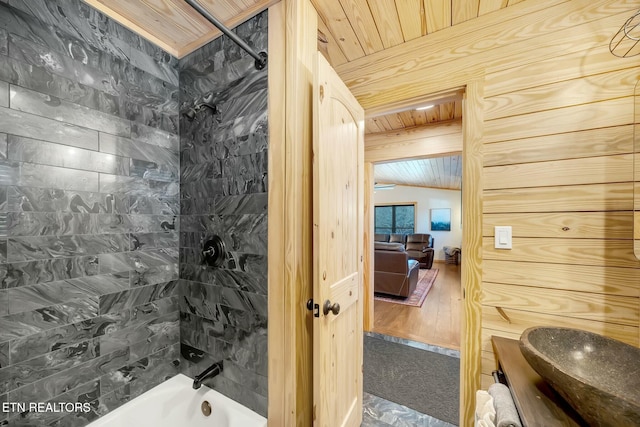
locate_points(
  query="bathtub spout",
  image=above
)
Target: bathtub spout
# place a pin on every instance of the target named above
(210, 372)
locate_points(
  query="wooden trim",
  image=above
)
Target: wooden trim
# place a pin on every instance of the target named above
(301, 48)
(470, 339)
(471, 321)
(367, 297)
(443, 145)
(292, 47)
(281, 346)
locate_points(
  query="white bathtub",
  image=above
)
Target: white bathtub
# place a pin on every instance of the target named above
(175, 403)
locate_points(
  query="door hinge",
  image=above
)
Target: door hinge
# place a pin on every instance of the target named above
(315, 308)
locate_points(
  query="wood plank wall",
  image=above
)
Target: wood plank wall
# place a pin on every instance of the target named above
(557, 159)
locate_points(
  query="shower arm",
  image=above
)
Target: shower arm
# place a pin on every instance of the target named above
(261, 58)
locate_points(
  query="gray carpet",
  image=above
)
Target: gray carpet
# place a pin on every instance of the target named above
(421, 380)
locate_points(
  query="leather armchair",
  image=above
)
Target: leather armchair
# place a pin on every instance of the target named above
(394, 272)
(420, 247)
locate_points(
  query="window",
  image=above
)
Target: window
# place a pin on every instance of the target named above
(395, 219)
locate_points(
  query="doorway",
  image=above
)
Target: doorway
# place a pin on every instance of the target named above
(467, 139)
(418, 189)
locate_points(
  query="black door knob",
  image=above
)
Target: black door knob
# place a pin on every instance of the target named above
(328, 307)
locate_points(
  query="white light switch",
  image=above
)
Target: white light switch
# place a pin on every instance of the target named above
(503, 237)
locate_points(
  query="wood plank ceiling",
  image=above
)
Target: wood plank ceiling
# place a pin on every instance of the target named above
(347, 30)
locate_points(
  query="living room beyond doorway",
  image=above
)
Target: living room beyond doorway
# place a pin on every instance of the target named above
(436, 322)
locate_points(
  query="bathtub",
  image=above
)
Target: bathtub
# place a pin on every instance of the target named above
(175, 403)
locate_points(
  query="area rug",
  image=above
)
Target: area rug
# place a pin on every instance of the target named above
(422, 380)
(426, 279)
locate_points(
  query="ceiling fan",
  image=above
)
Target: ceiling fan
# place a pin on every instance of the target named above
(377, 186)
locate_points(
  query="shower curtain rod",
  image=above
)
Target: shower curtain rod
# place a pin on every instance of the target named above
(261, 58)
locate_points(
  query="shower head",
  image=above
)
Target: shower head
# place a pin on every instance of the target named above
(191, 113)
(206, 101)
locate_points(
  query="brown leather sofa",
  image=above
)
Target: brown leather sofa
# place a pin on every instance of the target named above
(394, 273)
(419, 246)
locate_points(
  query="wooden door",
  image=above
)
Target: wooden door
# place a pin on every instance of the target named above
(338, 206)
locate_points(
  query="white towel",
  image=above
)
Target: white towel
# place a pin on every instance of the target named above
(506, 412)
(485, 411)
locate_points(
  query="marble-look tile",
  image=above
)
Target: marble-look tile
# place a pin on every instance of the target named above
(42, 271)
(4, 94)
(416, 344)
(4, 304)
(88, 393)
(134, 186)
(4, 42)
(26, 199)
(122, 44)
(141, 295)
(160, 64)
(155, 136)
(4, 355)
(151, 170)
(50, 223)
(382, 413)
(64, 111)
(142, 334)
(208, 328)
(27, 372)
(43, 247)
(139, 261)
(154, 274)
(32, 175)
(139, 150)
(29, 298)
(117, 50)
(241, 393)
(142, 371)
(25, 50)
(45, 153)
(147, 241)
(27, 347)
(115, 78)
(247, 378)
(39, 79)
(155, 368)
(154, 205)
(228, 278)
(250, 351)
(219, 313)
(21, 324)
(101, 284)
(34, 345)
(169, 335)
(62, 381)
(32, 126)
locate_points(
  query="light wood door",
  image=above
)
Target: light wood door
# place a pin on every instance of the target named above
(338, 199)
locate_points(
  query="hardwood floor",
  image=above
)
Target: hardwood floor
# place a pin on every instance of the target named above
(437, 322)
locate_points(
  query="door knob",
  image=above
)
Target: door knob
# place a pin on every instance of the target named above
(328, 307)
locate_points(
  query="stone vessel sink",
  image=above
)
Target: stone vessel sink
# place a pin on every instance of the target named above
(598, 376)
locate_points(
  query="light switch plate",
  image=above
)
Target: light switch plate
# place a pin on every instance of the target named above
(503, 237)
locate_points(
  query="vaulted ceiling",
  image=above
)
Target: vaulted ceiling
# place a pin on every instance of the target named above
(347, 30)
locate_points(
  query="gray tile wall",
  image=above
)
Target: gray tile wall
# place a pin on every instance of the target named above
(223, 191)
(89, 200)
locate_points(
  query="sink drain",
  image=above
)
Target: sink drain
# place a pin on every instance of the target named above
(206, 408)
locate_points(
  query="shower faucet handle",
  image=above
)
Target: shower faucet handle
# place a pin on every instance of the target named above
(214, 251)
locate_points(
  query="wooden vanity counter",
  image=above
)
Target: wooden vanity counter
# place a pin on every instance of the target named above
(537, 403)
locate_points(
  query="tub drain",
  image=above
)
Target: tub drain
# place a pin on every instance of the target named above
(206, 408)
